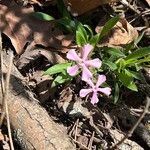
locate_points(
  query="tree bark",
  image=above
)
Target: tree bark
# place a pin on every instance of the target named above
(33, 128)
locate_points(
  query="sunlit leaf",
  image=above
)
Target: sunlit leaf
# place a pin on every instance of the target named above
(127, 80)
(94, 40)
(89, 29)
(81, 29)
(80, 39)
(108, 26)
(111, 65)
(138, 54)
(58, 68)
(61, 78)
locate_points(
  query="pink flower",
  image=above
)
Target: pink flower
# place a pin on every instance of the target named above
(82, 62)
(94, 89)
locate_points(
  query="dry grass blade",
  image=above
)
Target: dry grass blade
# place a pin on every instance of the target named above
(5, 88)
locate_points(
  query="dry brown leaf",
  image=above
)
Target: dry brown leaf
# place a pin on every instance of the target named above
(78, 7)
(18, 24)
(122, 34)
(148, 2)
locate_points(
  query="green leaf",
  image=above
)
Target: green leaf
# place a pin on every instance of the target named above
(108, 26)
(58, 68)
(82, 31)
(127, 80)
(137, 54)
(116, 94)
(135, 75)
(63, 9)
(134, 43)
(80, 39)
(146, 59)
(61, 78)
(132, 86)
(115, 52)
(137, 40)
(120, 64)
(42, 16)
(89, 29)
(134, 62)
(111, 65)
(68, 24)
(94, 40)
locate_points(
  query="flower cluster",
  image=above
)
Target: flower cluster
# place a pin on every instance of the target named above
(83, 63)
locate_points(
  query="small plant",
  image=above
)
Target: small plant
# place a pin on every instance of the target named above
(122, 65)
(86, 41)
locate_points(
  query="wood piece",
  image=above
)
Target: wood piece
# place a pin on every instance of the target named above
(33, 127)
(78, 7)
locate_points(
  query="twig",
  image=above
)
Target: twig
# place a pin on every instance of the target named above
(125, 3)
(95, 127)
(138, 110)
(129, 134)
(91, 140)
(73, 128)
(4, 98)
(76, 129)
(6, 93)
(86, 148)
(1, 62)
(2, 83)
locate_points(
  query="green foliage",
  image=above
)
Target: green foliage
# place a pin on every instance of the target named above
(42, 16)
(67, 24)
(58, 68)
(115, 52)
(127, 79)
(63, 10)
(122, 64)
(62, 76)
(108, 26)
(84, 33)
(138, 54)
(125, 65)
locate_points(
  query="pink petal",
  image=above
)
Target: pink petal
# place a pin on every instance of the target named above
(94, 98)
(106, 90)
(86, 74)
(86, 50)
(94, 63)
(72, 71)
(72, 55)
(84, 92)
(101, 80)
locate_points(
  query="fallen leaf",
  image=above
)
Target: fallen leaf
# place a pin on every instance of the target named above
(32, 53)
(148, 2)
(121, 34)
(40, 84)
(21, 27)
(78, 7)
